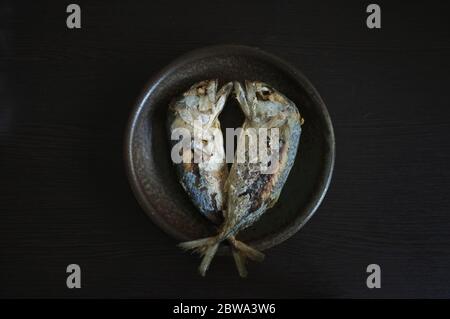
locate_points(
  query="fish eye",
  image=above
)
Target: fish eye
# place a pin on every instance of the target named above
(263, 94)
(201, 90)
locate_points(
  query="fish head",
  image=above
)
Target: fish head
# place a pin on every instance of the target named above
(202, 103)
(261, 103)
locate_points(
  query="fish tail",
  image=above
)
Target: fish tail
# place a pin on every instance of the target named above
(242, 252)
(246, 250)
(207, 247)
(240, 262)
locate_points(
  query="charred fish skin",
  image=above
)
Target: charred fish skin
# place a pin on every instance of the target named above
(250, 189)
(197, 111)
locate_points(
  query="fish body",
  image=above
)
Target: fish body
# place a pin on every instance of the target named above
(195, 128)
(252, 187)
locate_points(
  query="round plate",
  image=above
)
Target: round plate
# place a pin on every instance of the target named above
(147, 152)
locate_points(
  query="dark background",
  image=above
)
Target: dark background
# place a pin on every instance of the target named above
(65, 96)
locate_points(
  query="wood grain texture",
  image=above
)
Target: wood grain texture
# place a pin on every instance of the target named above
(65, 96)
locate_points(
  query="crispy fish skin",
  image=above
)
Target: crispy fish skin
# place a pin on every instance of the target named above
(250, 190)
(197, 111)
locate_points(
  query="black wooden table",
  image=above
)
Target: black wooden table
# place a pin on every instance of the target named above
(65, 96)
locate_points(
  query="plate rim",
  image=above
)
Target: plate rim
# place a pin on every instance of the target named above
(272, 239)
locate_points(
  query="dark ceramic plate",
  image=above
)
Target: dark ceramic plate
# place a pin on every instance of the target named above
(150, 170)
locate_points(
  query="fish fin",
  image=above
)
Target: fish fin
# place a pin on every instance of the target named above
(242, 99)
(207, 247)
(246, 251)
(221, 97)
(208, 256)
(273, 201)
(194, 244)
